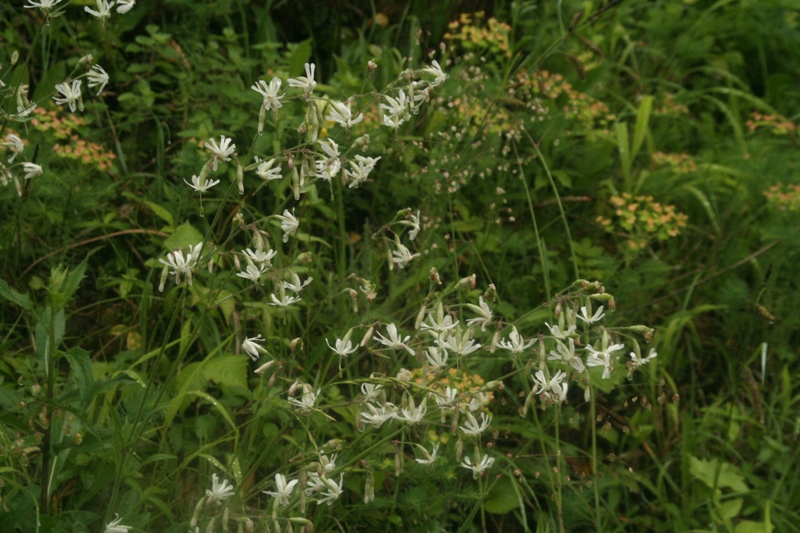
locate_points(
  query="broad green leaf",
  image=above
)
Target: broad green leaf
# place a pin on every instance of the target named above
(161, 212)
(299, 58)
(717, 474)
(81, 367)
(11, 295)
(184, 236)
(503, 497)
(228, 370)
(748, 526)
(639, 131)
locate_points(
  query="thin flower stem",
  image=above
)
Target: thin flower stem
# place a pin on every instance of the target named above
(597, 521)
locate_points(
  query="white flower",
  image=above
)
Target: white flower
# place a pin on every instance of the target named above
(436, 71)
(306, 82)
(103, 9)
(97, 76)
(556, 332)
(436, 358)
(44, 5)
(289, 224)
(553, 388)
(436, 325)
(516, 344)
(307, 400)
(413, 414)
(478, 400)
(295, 285)
(472, 427)
(478, 469)
(123, 6)
(402, 256)
(394, 341)
(284, 301)
(266, 172)
(603, 358)
(458, 342)
(641, 361)
(221, 152)
(342, 115)
(252, 272)
(71, 95)
(180, 265)
(379, 415)
(270, 93)
(219, 492)
(283, 489)
(201, 187)
(114, 526)
(32, 170)
(567, 354)
(429, 457)
(327, 168)
(15, 145)
(343, 347)
(485, 313)
(448, 400)
(370, 391)
(260, 256)
(584, 315)
(251, 346)
(334, 490)
(396, 110)
(328, 463)
(360, 170)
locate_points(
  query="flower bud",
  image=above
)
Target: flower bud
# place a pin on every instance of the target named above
(434, 275)
(240, 177)
(14, 57)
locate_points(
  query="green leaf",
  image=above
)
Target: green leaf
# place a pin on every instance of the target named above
(184, 236)
(624, 153)
(81, 367)
(228, 370)
(503, 497)
(748, 526)
(299, 58)
(13, 296)
(717, 474)
(161, 212)
(639, 131)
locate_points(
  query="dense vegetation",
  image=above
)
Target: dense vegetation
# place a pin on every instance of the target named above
(424, 266)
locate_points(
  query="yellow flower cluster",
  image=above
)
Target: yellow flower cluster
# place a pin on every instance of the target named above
(641, 220)
(69, 143)
(463, 383)
(680, 163)
(475, 34)
(784, 197)
(779, 124)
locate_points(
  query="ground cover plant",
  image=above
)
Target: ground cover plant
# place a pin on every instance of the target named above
(520, 266)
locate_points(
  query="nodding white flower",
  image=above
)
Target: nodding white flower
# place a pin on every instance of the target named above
(284, 301)
(447, 401)
(15, 146)
(295, 285)
(328, 463)
(567, 354)
(343, 347)
(584, 315)
(478, 401)
(222, 152)
(641, 361)
(252, 348)
(603, 358)
(413, 414)
(103, 9)
(485, 313)
(341, 114)
(441, 323)
(552, 388)
(516, 344)
(219, 492)
(420, 97)
(71, 95)
(436, 358)
(556, 332)
(114, 526)
(396, 110)
(289, 224)
(180, 264)
(458, 342)
(252, 272)
(307, 399)
(402, 256)
(201, 186)
(270, 93)
(472, 427)
(97, 76)
(333, 490)
(123, 6)
(436, 71)
(283, 489)
(44, 5)
(394, 340)
(306, 82)
(371, 391)
(360, 170)
(260, 257)
(378, 415)
(327, 168)
(266, 172)
(429, 457)
(478, 469)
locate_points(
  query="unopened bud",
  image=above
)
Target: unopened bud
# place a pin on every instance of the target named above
(371, 66)
(362, 141)
(469, 280)
(434, 275)
(420, 316)
(367, 336)
(14, 57)
(305, 257)
(296, 344)
(240, 177)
